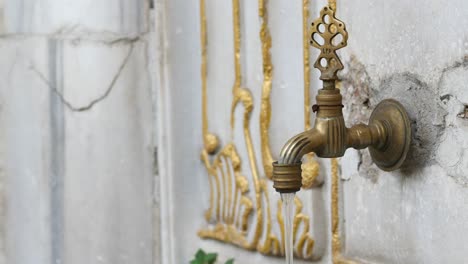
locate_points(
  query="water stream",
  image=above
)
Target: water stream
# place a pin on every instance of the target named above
(288, 207)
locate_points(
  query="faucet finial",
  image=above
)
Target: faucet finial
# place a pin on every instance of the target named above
(328, 34)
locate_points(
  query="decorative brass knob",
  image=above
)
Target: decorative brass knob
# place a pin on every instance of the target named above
(328, 34)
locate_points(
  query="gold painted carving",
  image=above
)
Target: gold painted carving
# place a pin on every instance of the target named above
(310, 172)
(265, 112)
(306, 61)
(336, 237)
(231, 205)
(210, 140)
(224, 229)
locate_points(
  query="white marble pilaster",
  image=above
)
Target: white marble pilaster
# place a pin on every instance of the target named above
(76, 139)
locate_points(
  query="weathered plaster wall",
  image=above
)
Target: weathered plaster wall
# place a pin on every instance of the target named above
(416, 52)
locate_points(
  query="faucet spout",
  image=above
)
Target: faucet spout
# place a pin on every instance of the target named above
(326, 139)
(287, 172)
(299, 145)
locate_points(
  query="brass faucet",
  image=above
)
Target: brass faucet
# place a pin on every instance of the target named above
(388, 134)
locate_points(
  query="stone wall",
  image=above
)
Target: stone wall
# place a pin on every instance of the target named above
(77, 132)
(417, 53)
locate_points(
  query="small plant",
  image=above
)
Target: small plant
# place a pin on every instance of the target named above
(201, 257)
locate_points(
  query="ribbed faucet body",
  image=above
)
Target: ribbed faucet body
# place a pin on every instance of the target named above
(329, 138)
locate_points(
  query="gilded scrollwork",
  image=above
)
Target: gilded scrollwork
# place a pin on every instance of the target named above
(306, 62)
(226, 229)
(310, 172)
(210, 140)
(265, 111)
(232, 202)
(232, 207)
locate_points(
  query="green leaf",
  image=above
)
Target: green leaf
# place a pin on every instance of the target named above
(195, 262)
(210, 258)
(200, 255)
(231, 261)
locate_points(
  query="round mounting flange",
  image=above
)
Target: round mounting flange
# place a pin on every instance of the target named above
(395, 118)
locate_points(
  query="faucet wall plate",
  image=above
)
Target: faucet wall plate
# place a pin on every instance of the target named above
(394, 117)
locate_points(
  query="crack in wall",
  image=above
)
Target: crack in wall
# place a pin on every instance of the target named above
(95, 101)
(102, 37)
(458, 64)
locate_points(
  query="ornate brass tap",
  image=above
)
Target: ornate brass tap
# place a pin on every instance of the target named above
(388, 134)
